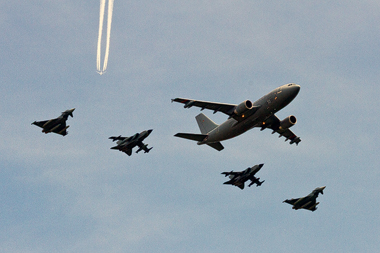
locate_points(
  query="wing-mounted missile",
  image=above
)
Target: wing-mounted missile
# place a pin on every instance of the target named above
(47, 123)
(145, 148)
(305, 205)
(63, 130)
(51, 130)
(257, 182)
(313, 208)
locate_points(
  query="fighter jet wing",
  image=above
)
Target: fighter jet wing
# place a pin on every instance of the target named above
(52, 126)
(231, 173)
(40, 123)
(128, 151)
(117, 138)
(273, 123)
(216, 107)
(143, 146)
(291, 201)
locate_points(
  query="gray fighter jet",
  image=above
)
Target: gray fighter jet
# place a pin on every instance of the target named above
(243, 117)
(308, 202)
(239, 178)
(126, 144)
(57, 125)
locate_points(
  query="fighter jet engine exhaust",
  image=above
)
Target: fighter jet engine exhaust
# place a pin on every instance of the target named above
(109, 22)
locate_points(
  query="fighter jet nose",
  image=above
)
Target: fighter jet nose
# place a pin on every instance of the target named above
(150, 130)
(261, 165)
(71, 112)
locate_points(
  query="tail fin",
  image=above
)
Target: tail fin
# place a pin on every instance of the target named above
(205, 124)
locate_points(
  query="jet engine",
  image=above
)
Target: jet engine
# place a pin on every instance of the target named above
(243, 107)
(288, 122)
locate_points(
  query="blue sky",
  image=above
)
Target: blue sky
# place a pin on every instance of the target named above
(74, 194)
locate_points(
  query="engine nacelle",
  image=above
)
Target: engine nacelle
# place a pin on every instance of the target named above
(288, 122)
(243, 107)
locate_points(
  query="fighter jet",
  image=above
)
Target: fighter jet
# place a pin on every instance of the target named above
(239, 178)
(57, 125)
(243, 117)
(308, 202)
(126, 144)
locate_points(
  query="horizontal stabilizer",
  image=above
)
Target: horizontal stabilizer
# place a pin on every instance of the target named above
(193, 137)
(217, 145)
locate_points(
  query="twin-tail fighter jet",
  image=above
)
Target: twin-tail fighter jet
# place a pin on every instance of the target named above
(239, 178)
(126, 144)
(57, 125)
(308, 202)
(243, 117)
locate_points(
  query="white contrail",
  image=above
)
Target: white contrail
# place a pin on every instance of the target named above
(109, 22)
(101, 19)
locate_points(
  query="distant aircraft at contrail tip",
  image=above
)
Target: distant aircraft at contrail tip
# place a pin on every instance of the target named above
(109, 22)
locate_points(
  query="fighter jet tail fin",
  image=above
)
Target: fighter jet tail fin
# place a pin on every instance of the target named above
(205, 124)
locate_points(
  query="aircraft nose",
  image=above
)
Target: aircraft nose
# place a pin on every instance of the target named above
(295, 88)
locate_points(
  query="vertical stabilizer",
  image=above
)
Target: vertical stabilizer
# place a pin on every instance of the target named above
(205, 124)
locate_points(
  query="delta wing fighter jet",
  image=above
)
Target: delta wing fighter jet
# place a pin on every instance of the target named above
(308, 202)
(126, 144)
(57, 125)
(239, 178)
(243, 117)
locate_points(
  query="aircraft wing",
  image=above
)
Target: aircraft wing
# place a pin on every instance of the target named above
(128, 151)
(273, 123)
(216, 107)
(311, 205)
(231, 173)
(52, 126)
(40, 123)
(116, 138)
(291, 201)
(143, 146)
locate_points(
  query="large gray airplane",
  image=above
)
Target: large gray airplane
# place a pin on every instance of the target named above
(239, 178)
(57, 125)
(126, 144)
(308, 202)
(243, 117)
